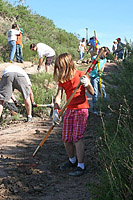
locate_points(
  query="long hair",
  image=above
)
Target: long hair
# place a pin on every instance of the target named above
(64, 68)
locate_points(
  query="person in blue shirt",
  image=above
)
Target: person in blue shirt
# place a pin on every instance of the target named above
(92, 46)
(94, 75)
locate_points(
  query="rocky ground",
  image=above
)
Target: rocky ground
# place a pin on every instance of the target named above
(25, 178)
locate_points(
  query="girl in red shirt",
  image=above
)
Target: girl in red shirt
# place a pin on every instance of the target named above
(76, 115)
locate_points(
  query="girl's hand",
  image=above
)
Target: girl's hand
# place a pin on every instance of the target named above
(84, 80)
(56, 119)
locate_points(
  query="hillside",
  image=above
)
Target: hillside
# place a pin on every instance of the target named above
(36, 29)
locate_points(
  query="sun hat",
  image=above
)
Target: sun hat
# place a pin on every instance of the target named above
(21, 30)
(115, 41)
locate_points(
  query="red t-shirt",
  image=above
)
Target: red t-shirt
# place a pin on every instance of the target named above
(80, 99)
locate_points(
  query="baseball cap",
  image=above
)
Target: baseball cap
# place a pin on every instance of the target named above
(115, 41)
(21, 30)
(118, 38)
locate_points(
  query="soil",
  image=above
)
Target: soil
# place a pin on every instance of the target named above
(23, 177)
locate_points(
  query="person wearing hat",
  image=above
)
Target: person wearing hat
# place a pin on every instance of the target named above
(120, 48)
(19, 54)
(114, 48)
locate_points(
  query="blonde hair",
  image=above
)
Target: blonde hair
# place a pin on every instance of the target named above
(64, 68)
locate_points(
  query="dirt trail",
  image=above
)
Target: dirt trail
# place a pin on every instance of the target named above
(18, 141)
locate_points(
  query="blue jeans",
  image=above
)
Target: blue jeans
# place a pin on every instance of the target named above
(96, 85)
(81, 55)
(12, 46)
(19, 56)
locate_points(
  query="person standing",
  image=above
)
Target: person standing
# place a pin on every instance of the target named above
(19, 54)
(120, 48)
(43, 50)
(82, 48)
(114, 48)
(12, 38)
(92, 46)
(95, 80)
(14, 77)
(76, 115)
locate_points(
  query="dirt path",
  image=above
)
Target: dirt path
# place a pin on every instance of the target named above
(18, 141)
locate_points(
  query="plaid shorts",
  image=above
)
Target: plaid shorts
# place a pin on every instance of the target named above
(74, 124)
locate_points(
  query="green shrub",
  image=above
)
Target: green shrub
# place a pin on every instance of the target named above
(115, 138)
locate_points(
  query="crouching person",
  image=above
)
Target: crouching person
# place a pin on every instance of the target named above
(14, 77)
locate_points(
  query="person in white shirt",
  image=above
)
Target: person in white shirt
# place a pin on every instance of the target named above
(81, 48)
(14, 77)
(114, 48)
(12, 38)
(43, 50)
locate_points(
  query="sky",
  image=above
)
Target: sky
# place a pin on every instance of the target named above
(110, 19)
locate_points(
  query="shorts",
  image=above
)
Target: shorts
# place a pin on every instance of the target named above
(49, 60)
(11, 81)
(74, 125)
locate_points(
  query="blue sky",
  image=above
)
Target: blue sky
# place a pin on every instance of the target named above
(111, 19)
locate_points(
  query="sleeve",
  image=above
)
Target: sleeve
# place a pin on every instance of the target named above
(39, 53)
(17, 32)
(60, 84)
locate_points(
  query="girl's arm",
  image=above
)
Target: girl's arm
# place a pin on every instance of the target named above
(90, 89)
(58, 98)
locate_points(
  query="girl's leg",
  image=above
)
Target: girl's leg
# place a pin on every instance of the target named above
(69, 149)
(80, 151)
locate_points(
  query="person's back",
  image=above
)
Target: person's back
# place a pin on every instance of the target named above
(12, 33)
(44, 50)
(12, 37)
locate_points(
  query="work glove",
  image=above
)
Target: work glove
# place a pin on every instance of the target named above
(17, 103)
(84, 80)
(34, 105)
(56, 119)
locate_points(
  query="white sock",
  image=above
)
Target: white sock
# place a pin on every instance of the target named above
(73, 160)
(81, 165)
(30, 116)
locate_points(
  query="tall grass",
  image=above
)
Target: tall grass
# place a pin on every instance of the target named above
(115, 138)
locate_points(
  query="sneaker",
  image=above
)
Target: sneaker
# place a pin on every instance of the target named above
(11, 61)
(67, 165)
(29, 119)
(38, 68)
(77, 172)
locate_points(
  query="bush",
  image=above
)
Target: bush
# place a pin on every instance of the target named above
(115, 138)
